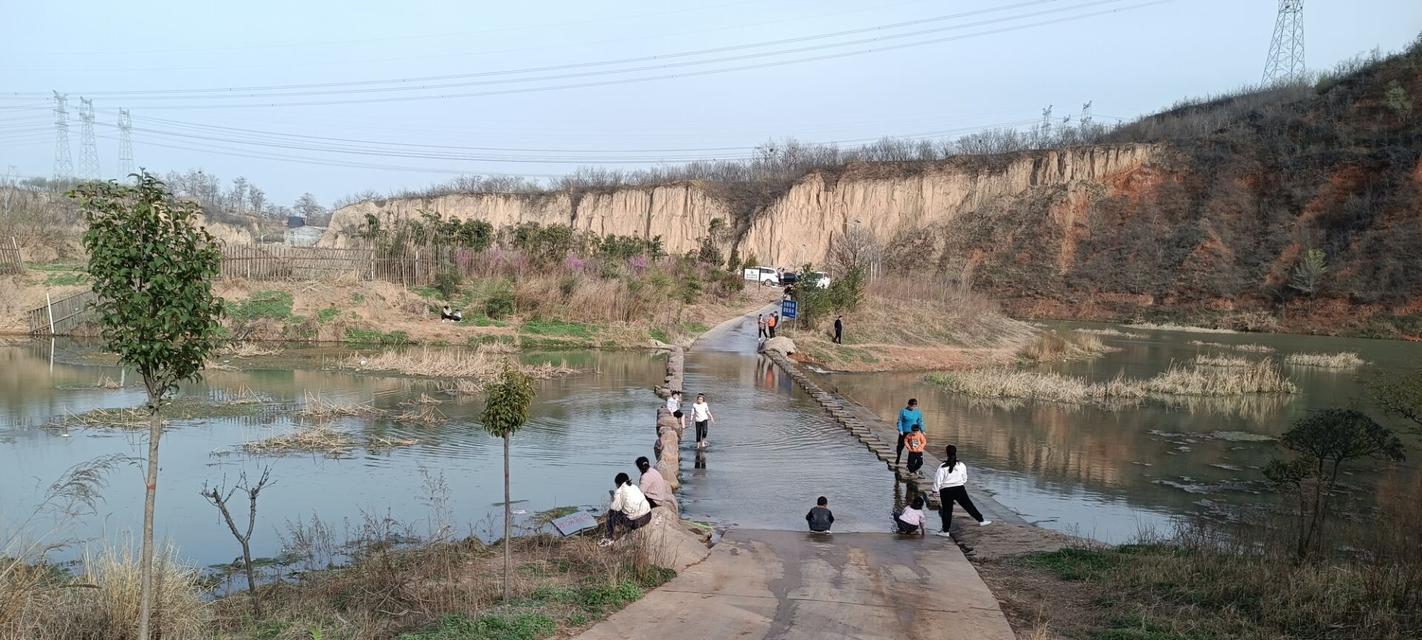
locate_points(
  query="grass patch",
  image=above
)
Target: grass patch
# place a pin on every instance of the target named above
(328, 314)
(525, 625)
(660, 335)
(1074, 564)
(1220, 360)
(1342, 360)
(1247, 348)
(375, 336)
(181, 409)
(273, 305)
(557, 328)
(1258, 378)
(65, 278)
(1050, 346)
(318, 440)
(1110, 332)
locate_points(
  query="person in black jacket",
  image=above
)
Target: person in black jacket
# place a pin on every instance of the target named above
(820, 517)
(839, 329)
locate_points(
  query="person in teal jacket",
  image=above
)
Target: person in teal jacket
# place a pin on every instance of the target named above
(908, 418)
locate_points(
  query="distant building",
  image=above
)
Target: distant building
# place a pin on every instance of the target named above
(304, 236)
(295, 222)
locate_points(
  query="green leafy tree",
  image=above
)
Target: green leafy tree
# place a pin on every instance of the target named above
(1324, 440)
(505, 411)
(152, 269)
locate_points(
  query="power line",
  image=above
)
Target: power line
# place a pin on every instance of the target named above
(688, 74)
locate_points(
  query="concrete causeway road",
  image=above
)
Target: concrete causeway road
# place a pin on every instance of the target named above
(786, 585)
(792, 585)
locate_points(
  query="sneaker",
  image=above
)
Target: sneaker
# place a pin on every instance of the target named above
(984, 523)
(943, 534)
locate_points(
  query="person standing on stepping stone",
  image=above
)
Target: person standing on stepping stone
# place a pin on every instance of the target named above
(916, 443)
(908, 417)
(950, 483)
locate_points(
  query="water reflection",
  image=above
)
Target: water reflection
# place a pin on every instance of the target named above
(1110, 471)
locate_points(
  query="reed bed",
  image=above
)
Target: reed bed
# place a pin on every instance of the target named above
(1117, 333)
(1259, 378)
(1051, 346)
(1341, 360)
(318, 407)
(1220, 360)
(318, 439)
(1247, 348)
(246, 350)
(1166, 326)
(430, 363)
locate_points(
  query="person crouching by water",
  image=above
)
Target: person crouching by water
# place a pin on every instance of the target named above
(450, 315)
(950, 483)
(629, 509)
(820, 517)
(654, 486)
(910, 520)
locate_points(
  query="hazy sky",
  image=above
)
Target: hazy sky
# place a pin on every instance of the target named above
(969, 64)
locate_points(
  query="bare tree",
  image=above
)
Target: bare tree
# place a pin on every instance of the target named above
(218, 497)
(855, 250)
(257, 198)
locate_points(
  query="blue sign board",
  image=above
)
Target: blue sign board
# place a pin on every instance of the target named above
(787, 309)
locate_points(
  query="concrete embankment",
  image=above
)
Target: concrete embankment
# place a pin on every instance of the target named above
(880, 438)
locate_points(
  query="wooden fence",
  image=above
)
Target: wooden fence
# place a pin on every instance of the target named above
(10, 260)
(61, 317)
(412, 266)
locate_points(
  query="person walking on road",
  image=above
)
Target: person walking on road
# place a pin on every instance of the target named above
(916, 443)
(950, 483)
(770, 324)
(760, 325)
(908, 417)
(839, 329)
(701, 415)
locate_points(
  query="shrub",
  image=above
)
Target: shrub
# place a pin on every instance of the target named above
(447, 282)
(500, 303)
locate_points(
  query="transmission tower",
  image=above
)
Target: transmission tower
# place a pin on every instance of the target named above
(1086, 114)
(63, 165)
(1286, 50)
(125, 127)
(88, 148)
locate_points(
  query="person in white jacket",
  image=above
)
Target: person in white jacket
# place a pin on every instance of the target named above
(629, 509)
(949, 483)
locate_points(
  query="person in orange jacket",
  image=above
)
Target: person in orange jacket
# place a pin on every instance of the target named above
(916, 443)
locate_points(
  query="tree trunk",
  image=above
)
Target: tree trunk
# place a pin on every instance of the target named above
(145, 611)
(251, 580)
(508, 527)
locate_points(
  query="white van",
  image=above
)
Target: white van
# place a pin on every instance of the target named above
(766, 276)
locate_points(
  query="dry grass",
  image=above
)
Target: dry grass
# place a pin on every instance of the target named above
(1341, 360)
(1050, 346)
(1218, 360)
(318, 407)
(318, 439)
(478, 364)
(102, 602)
(1259, 378)
(1247, 348)
(1166, 326)
(1110, 332)
(246, 350)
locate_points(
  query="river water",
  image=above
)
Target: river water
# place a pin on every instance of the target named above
(773, 451)
(1093, 471)
(1113, 473)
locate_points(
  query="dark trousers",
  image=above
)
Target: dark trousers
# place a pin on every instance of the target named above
(947, 496)
(772, 331)
(915, 461)
(760, 332)
(618, 520)
(839, 336)
(701, 426)
(899, 449)
(905, 527)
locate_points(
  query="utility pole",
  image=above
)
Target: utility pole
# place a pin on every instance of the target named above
(125, 161)
(1286, 49)
(88, 148)
(63, 164)
(1086, 114)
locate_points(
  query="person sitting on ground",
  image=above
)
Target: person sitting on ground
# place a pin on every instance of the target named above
(629, 509)
(916, 443)
(820, 517)
(654, 486)
(910, 520)
(452, 316)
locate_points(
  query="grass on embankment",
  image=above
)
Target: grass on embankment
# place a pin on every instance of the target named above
(1262, 377)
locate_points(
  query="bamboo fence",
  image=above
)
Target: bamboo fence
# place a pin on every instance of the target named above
(10, 260)
(61, 317)
(409, 266)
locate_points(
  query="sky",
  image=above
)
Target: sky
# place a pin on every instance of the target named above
(402, 95)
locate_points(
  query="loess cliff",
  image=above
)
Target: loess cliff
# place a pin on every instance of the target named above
(1201, 213)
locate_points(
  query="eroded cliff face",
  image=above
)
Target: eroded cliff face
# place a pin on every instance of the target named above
(796, 228)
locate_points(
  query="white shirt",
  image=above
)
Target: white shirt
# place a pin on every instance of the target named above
(911, 516)
(672, 404)
(955, 477)
(629, 500)
(700, 411)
